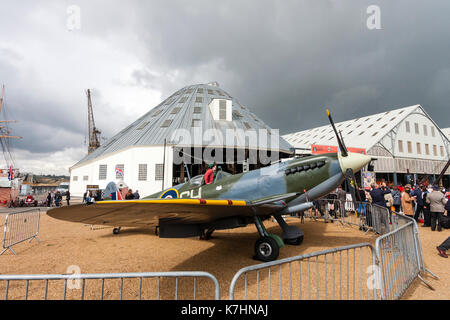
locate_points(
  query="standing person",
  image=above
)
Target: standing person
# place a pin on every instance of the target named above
(417, 193)
(377, 195)
(407, 201)
(68, 197)
(397, 196)
(437, 201)
(49, 199)
(129, 195)
(332, 197)
(342, 197)
(85, 197)
(426, 208)
(136, 195)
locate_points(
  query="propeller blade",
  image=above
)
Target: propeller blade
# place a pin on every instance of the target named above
(341, 144)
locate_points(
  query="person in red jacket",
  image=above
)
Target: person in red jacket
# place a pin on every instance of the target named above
(209, 175)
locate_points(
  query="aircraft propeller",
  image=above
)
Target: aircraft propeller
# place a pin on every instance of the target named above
(349, 174)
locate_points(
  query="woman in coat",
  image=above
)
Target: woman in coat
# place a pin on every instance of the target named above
(407, 202)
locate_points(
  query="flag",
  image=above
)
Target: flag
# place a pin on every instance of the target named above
(10, 173)
(119, 171)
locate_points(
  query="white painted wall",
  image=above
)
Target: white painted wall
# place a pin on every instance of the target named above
(415, 138)
(131, 158)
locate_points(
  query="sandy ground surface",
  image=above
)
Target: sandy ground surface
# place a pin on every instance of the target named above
(65, 244)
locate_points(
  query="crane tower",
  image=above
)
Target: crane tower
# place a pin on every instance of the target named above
(94, 133)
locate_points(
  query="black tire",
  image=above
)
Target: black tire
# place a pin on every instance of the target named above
(266, 249)
(116, 230)
(294, 242)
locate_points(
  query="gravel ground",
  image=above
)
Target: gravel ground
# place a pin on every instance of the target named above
(65, 244)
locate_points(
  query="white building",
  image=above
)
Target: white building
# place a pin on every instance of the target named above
(143, 154)
(404, 141)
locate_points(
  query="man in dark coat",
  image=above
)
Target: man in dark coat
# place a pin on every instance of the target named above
(419, 201)
(377, 195)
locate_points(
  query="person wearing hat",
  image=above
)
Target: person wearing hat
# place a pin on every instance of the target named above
(209, 175)
(437, 202)
(407, 201)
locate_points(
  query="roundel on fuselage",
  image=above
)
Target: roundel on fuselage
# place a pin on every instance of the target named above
(170, 194)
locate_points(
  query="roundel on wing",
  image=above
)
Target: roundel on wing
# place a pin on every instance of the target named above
(170, 194)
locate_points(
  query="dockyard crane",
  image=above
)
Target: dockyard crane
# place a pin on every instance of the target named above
(94, 133)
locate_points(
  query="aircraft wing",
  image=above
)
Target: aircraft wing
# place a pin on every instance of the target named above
(147, 213)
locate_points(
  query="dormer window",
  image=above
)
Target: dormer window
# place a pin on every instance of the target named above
(221, 109)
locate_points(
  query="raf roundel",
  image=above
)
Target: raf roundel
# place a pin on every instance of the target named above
(170, 194)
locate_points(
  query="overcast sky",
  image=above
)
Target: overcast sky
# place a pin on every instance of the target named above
(286, 60)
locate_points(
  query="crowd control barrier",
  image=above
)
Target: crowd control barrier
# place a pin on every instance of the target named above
(19, 227)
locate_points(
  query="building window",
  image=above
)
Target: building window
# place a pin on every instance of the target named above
(182, 100)
(248, 126)
(196, 123)
(199, 90)
(199, 99)
(418, 148)
(175, 110)
(407, 126)
(120, 171)
(142, 174)
(210, 92)
(143, 125)
(434, 150)
(432, 132)
(400, 146)
(159, 168)
(102, 169)
(409, 147)
(442, 151)
(197, 110)
(86, 178)
(222, 110)
(156, 113)
(375, 134)
(425, 131)
(75, 178)
(166, 123)
(427, 149)
(416, 127)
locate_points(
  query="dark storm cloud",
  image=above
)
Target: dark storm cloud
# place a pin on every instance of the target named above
(286, 60)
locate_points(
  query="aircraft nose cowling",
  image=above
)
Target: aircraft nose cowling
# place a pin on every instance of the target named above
(354, 161)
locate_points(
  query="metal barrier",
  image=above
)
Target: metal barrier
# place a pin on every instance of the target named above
(400, 256)
(75, 285)
(367, 216)
(19, 227)
(339, 273)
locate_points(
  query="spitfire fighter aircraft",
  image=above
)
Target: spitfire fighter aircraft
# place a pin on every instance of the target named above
(230, 201)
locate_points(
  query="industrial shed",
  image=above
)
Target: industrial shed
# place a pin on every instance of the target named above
(408, 144)
(146, 154)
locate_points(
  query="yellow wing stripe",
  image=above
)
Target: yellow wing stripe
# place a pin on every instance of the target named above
(239, 203)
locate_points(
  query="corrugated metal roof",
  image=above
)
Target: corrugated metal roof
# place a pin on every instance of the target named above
(363, 132)
(181, 108)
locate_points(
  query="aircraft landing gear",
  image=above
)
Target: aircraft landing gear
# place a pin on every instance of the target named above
(267, 247)
(208, 234)
(116, 230)
(291, 234)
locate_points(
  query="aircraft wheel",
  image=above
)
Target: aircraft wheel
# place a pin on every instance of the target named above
(266, 249)
(294, 242)
(116, 230)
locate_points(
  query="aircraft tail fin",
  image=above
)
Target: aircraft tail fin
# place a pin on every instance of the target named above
(112, 192)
